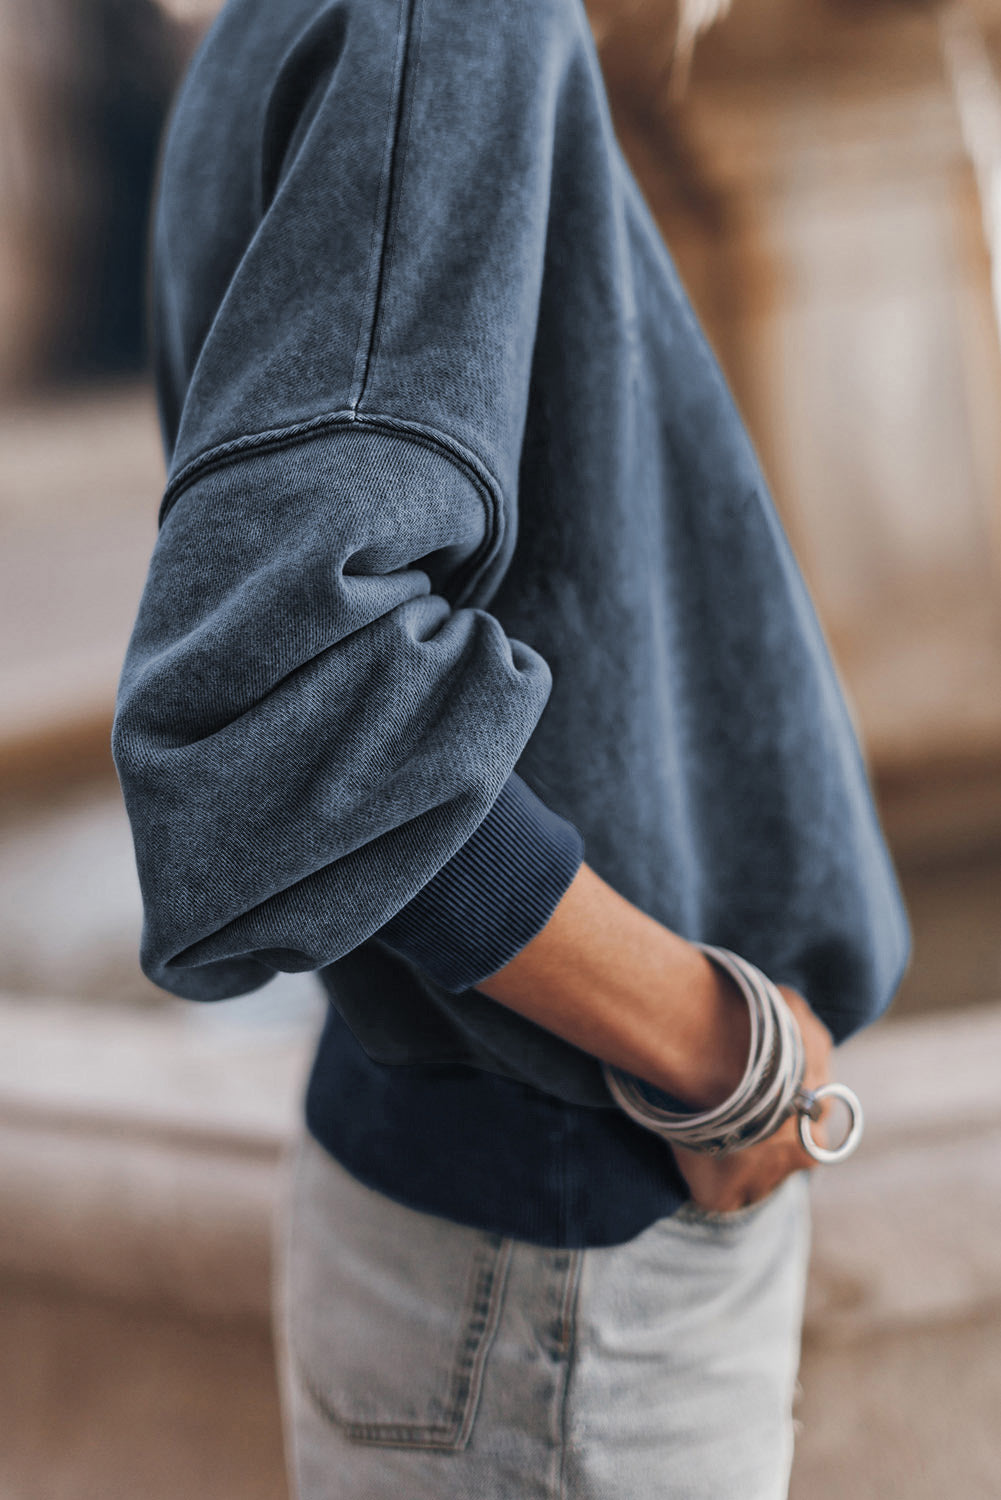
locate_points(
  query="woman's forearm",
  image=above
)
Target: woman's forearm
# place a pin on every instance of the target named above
(617, 983)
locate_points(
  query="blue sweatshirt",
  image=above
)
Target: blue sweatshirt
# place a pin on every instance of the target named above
(466, 569)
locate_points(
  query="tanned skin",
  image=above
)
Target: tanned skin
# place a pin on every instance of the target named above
(617, 983)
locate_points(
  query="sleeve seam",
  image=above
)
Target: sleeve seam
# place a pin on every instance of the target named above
(420, 434)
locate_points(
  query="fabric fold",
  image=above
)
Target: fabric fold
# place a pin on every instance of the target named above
(308, 731)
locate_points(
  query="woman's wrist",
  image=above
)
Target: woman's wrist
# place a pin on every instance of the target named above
(715, 1064)
(612, 980)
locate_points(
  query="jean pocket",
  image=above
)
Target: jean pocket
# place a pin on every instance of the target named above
(391, 1312)
(691, 1213)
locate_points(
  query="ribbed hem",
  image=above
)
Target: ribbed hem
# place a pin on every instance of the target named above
(495, 893)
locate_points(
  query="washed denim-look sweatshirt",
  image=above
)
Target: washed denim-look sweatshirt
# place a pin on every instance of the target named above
(466, 571)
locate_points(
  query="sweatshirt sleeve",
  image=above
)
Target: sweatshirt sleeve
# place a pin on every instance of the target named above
(314, 744)
(319, 720)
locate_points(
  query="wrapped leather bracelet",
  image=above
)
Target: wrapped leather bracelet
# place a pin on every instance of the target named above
(770, 1090)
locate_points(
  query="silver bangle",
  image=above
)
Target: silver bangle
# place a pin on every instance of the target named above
(769, 1091)
(809, 1103)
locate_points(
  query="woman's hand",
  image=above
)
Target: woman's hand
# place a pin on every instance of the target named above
(723, 1184)
(612, 980)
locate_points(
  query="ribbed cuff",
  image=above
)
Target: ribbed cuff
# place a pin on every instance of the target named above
(495, 893)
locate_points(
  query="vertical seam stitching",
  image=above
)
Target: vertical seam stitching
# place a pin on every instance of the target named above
(568, 1341)
(476, 1366)
(394, 177)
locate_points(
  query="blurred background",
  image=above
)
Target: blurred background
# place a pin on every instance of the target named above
(827, 175)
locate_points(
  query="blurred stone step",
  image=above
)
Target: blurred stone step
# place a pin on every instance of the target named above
(908, 1233)
(140, 1153)
(104, 1400)
(80, 482)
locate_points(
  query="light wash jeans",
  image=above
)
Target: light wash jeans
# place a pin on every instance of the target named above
(422, 1360)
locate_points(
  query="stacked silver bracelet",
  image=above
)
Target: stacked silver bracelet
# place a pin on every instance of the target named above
(770, 1090)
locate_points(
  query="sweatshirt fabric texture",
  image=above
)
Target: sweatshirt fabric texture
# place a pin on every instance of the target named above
(466, 571)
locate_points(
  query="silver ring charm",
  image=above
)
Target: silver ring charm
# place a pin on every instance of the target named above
(809, 1106)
